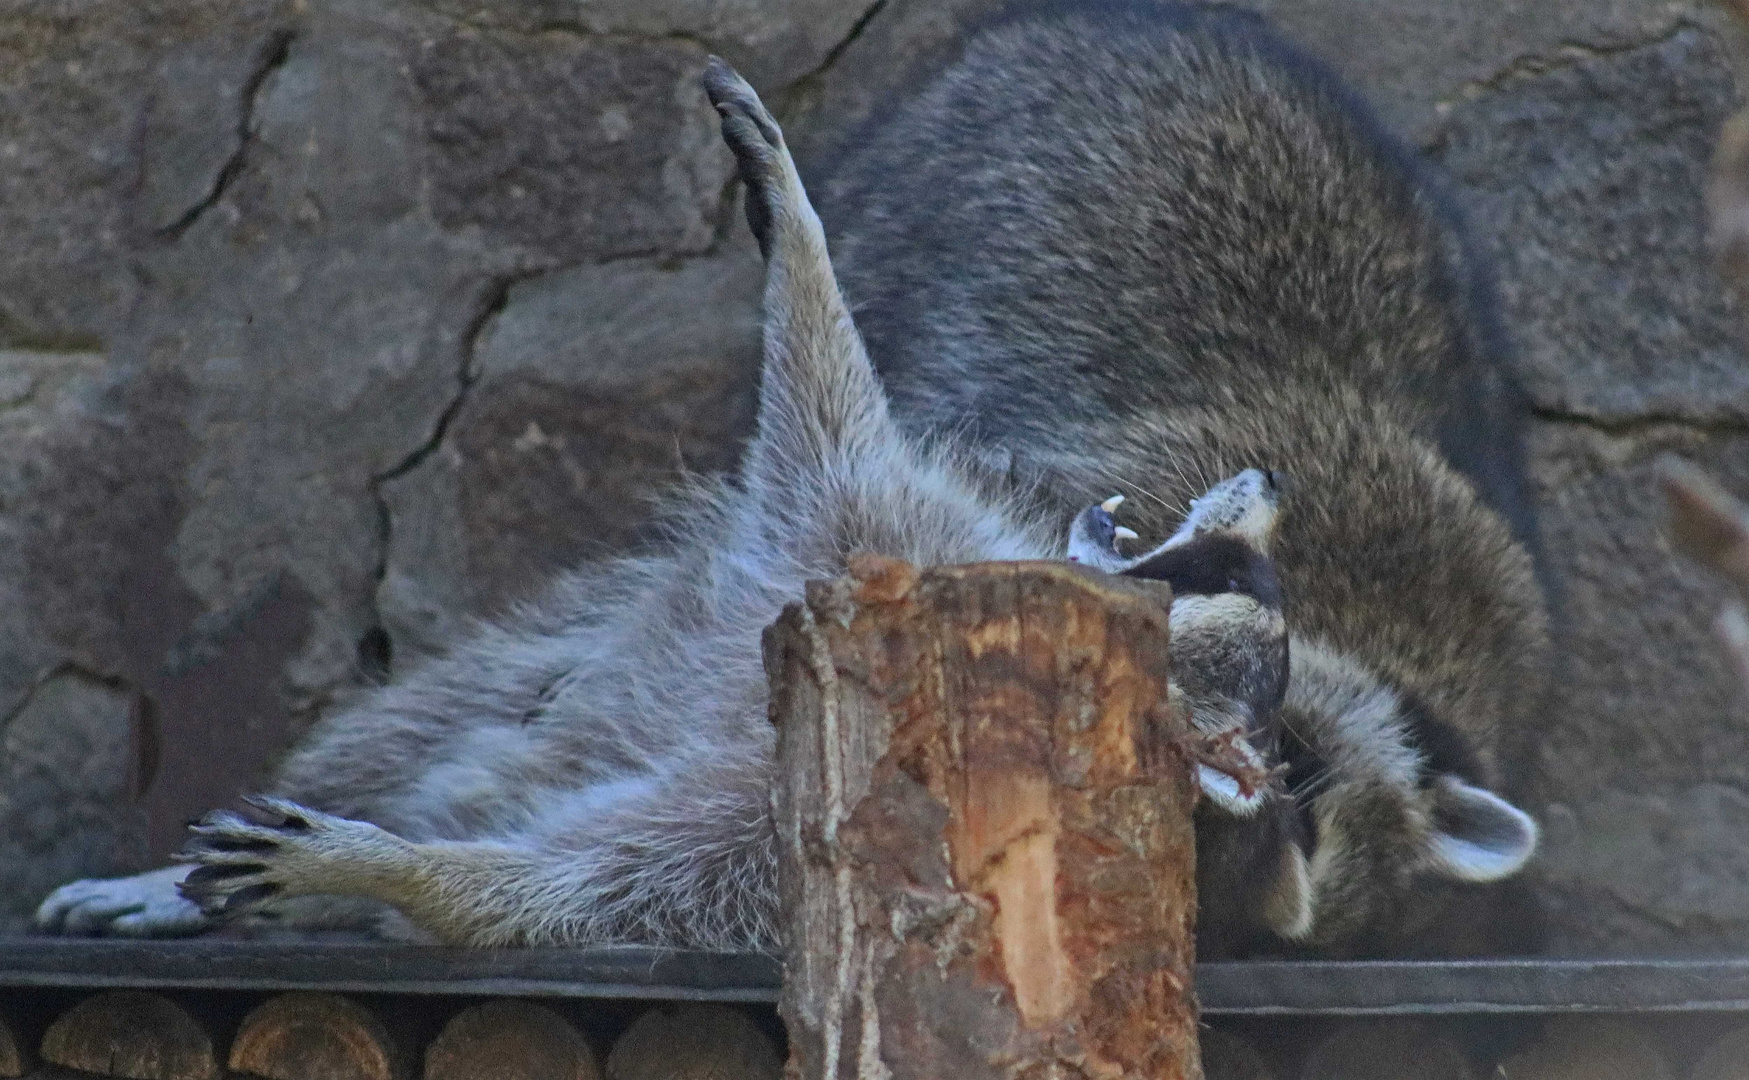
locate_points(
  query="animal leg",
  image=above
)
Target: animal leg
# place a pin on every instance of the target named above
(820, 401)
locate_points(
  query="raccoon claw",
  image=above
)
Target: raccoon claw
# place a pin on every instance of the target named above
(756, 141)
(241, 863)
(1094, 535)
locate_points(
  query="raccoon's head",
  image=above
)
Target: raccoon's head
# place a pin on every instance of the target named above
(1376, 797)
(1230, 660)
(1390, 804)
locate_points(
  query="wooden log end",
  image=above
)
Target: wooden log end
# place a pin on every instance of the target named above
(130, 1033)
(510, 1040)
(985, 792)
(1591, 1048)
(694, 1042)
(302, 1036)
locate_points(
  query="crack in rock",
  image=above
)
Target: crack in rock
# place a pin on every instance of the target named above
(1566, 54)
(270, 55)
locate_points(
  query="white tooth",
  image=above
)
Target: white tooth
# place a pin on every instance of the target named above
(1125, 534)
(1110, 505)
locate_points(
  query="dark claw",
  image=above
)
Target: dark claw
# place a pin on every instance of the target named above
(753, 137)
(225, 843)
(260, 806)
(247, 897)
(201, 879)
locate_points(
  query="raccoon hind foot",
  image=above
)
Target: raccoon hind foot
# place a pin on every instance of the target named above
(756, 141)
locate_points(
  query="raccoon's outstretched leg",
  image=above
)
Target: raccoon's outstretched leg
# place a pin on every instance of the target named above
(820, 400)
(679, 854)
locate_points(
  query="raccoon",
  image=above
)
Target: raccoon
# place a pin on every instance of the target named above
(1153, 243)
(597, 768)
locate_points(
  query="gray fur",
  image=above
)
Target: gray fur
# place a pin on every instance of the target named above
(1150, 244)
(596, 768)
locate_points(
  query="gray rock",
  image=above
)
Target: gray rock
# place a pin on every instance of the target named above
(82, 97)
(1416, 61)
(1601, 254)
(594, 389)
(66, 786)
(771, 42)
(577, 148)
(1671, 861)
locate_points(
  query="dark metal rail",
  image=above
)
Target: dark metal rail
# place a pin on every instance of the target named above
(1269, 988)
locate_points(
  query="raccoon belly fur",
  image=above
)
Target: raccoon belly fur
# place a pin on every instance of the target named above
(1153, 244)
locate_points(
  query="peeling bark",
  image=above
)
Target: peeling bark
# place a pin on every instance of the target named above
(984, 807)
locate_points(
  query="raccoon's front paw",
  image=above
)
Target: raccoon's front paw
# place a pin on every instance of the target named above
(145, 905)
(1094, 536)
(241, 864)
(756, 141)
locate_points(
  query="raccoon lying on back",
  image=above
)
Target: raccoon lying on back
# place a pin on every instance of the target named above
(1151, 242)
(597, 769)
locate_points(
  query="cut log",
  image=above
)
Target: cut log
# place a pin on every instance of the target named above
(314, 1037)
(1387, 1050)
(130, 1033)
(983, 800)
(15, 1059)
(510, 1040)
(694, 1042)
(1591, 1048)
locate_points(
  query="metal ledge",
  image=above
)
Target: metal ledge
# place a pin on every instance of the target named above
(1266, 988)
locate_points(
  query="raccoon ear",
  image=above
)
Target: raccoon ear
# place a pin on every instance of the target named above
(1479, 836)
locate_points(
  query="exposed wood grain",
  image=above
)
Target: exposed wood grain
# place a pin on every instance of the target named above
(314, 1037)
(128, 1033)
(694, 1042)
(984, 808)
(510, 1040)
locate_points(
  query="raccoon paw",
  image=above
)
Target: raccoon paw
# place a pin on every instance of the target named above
(756, 141)
(241, 864)
(145, 905)
(1094, 535)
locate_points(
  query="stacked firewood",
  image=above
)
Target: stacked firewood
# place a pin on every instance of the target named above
(322, 1036)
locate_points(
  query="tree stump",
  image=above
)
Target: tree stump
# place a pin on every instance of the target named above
(509, 1040)
(130, 1033)
(983, 802)
(694, 1042)
(314, 1037)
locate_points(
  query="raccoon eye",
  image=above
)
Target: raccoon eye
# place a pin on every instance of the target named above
(1232, 584)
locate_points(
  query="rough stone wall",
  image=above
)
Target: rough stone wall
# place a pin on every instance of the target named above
(327, 324)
